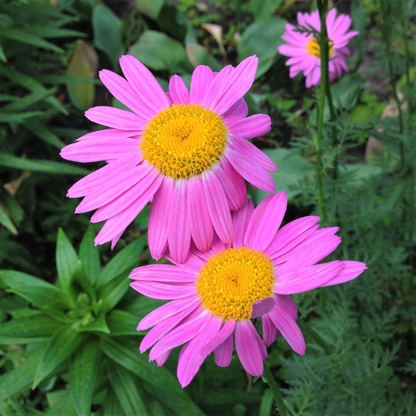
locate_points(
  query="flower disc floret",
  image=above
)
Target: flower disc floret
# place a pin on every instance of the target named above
(232, 280)
(314, 48)
(184, 140)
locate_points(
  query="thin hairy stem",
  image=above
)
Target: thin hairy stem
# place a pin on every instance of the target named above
(269, 379)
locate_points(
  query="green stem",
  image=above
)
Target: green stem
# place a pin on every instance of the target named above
(323, 40)
(269, 379)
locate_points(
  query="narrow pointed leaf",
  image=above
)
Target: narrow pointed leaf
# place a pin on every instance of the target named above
(122, 323)
(97, 325)
(89, 255)
(6, 221)
(66, 261)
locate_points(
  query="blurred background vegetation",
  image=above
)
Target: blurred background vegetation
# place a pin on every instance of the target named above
(68, 344)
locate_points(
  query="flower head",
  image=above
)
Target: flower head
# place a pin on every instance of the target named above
(304, 49)
(215, 294)
(184, 150)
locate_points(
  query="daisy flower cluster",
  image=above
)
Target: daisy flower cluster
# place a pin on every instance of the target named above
(186, 151)
(304, 49)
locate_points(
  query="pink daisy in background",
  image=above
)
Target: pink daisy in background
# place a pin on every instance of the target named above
(215, 294)
(304, 49)
(184, 150)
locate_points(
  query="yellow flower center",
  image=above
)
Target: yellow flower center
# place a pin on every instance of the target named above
(232, 280)
(184, 140)
(314, 48)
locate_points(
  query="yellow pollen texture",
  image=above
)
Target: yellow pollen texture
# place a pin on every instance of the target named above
(232, 280)
(314, 48)
(184, 140)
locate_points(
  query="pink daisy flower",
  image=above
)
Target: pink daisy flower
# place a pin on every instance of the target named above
(184, 150)
(215, 294)
(305, 52)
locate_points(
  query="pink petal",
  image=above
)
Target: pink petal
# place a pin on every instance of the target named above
(192, 263)
(163, 291)
(181, 334)
(164, 327)
(158, 218)
(163, 273)
(351, 270)
(200, 223)
(248, 348)
(114, 117)
(201, 80)
(179, 234)
(291, 234)
(270, 332)
(252, 173)
(238, 83)
(241, 219)
(265, 221)
(144, 83)
(97, 150)
(166, 311)
(233, 183)
(287, 326)
(224, 352)
(262, 307)
(178, 91)
(163, 358)
(110, 134)
(218, 245)
(122, 90)
(193, 356)
(218, 208)
(101, 176)
(253, 126)
(252, 154)
(216, 87)
(291, 280)
(220, 337)
(238, 111)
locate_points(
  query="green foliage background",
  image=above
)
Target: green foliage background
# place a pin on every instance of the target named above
(68, 343)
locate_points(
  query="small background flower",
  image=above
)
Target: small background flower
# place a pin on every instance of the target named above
(186, 150)
(215, 294)
(304, 49)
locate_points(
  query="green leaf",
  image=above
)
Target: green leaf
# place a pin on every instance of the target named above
(30, 99)
(60, 347)
(82, 376)
(122, 323)
(28, 329)
(266, 403)
(199, 55)
(66, 261)
(124, 385)
(160, 52)
(34, 290)
(113, 292)
(60, 403)
(31, 84)
(89, 255)
(2, 55)
(53, 32)
(21, 377)
(6, 221)
(46, 166)
(83, 65)
(150, 8)
(17, 254)
(107, 33)
(81, 282)
(124, 261)
(25, 37)
(97, 325)
(40, 130)
(18, 117)
(290, 170)
(159, 381)
(262, 39)
(263, 9)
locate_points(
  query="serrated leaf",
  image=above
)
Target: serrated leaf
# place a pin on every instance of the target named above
(262, 39)
(89, 255)
(46, 166)
(107, 33)
(123, 261)
(124, 386)
(83, 65)
(60, 347)
(28, 329)
(159, 381)
(82, 373)
(122, 323)
(66, 261)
